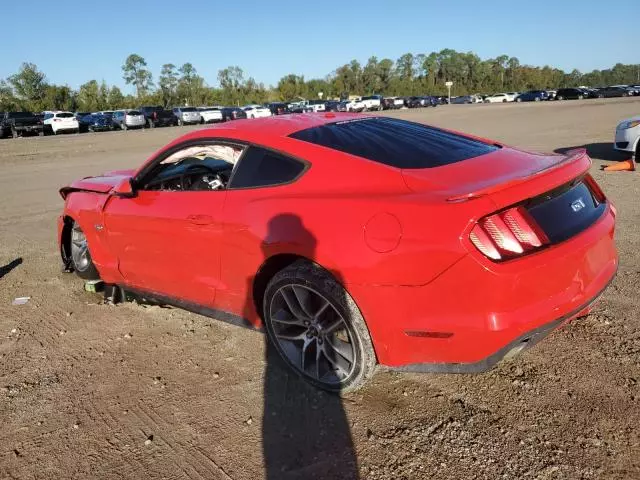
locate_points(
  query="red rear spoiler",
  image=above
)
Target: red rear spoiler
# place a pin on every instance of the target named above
(576, 162)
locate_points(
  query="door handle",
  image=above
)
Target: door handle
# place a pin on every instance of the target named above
(200, 219)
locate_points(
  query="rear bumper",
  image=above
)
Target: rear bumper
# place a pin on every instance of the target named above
(626, 140)
(472, 314)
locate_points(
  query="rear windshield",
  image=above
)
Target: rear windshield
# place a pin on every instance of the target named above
(64, 115)
(189, 109)
(394, 142)
(133, 112)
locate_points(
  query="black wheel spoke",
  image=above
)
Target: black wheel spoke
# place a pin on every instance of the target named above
(282, 316)
(344, 349)
(291, 336)
(337, 362)
(292, 302)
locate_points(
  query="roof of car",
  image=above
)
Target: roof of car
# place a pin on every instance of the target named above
(281, 125)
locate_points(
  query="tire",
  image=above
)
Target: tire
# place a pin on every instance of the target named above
(518, 100)
(41, 133)
(80, 256)
(504, 100)
(537, 99)
(304, 283)
(560, 97)
(580, 97)
(180, 122)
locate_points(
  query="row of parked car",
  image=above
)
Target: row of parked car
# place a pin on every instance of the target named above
(577, 93)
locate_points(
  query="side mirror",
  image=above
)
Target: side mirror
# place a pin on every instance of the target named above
(124, 189)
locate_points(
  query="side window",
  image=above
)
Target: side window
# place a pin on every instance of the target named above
(261, 168)
(47, 116)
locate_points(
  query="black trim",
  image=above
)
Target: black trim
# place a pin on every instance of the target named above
(527, 340)
(214, 313)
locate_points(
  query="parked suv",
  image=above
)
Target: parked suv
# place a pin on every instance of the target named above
(532, 96)
(233, 113)
(278, 108)
(57, 122)
(571, 94)
(608, 92)
(157, 117)
(372, 102)
(210, 114)
(187, 115)
(126, 119)
(19, 123)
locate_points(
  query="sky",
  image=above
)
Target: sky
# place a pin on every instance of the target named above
(73, 41)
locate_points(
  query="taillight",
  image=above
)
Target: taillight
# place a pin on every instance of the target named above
(508, 234)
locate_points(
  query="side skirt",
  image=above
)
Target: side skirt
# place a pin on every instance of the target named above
(118, 293)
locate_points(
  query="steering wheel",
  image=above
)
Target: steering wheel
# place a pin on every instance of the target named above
(189, 171)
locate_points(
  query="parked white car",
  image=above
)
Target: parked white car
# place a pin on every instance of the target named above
(355, 105)
(498, 98)
(256, 111)
(628, 135)
(210, 114)
(372, 102)
(316, 105)
(57, 122)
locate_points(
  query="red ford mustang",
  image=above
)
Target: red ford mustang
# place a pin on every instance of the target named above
(353, 240)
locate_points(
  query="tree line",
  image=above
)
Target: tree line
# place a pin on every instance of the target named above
(411, 74)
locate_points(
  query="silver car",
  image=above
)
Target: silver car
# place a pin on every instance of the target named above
(125, 119)
(187, 115)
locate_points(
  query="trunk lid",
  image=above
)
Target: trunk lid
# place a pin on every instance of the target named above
(506, 175)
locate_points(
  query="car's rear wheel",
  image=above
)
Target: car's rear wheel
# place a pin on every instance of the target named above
(580, 97)
(80, 256)
(518, 99)
(560, 97)
(317, 328)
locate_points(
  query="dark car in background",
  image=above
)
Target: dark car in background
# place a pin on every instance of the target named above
(233, 113)
(571, 94)
(95, 122)
(158, 117)
(611, 92)
(533, 96)
(278, 108)
(16, 124)
(333, 106)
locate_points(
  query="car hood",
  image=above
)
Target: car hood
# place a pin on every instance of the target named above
(100, 184)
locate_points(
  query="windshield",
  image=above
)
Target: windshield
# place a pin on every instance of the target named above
(189, 109)
(133, 112)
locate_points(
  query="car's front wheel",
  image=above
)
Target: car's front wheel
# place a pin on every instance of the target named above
(317, 328)
(80, 256)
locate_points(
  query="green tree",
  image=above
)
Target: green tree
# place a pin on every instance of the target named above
(29, 86)
(116, 99)
(168, 84)
(231, 80)
(292, 87)
(89, 96)
(135, 73)
(8, 100)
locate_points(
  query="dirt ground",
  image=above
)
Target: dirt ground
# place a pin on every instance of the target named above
(89, 390)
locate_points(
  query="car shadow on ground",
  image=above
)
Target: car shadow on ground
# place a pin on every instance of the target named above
(10, 266)
(598, 151)
(305, 431)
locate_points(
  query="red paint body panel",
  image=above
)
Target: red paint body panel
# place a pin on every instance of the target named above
(397, 239)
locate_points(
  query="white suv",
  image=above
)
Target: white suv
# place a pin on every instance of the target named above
(372, 102)
(628, 136)
(60, 122)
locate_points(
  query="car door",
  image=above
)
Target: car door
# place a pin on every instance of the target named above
(168, 241)
(251, 206)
